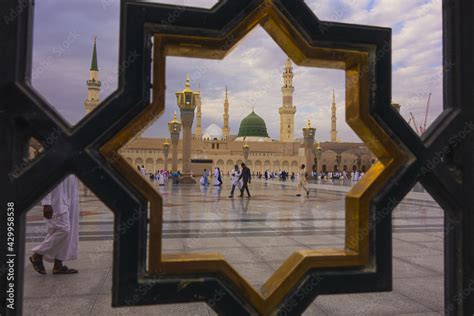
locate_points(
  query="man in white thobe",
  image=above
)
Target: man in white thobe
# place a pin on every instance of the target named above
(234, 177)
(302, 183)
(161, 178)
(61, 210)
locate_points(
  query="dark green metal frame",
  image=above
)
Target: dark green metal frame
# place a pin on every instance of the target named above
(24, 114)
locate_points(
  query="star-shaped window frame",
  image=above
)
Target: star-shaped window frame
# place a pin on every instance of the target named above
(364, 53)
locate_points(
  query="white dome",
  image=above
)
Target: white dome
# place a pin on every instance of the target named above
(213, 132)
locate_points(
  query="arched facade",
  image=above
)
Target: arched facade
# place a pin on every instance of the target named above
(150, 165)
(221, 165)
(138, 162)
(250, 164)
(271, 156)
(276, 165)
(267, 165)
(160, 164)
(229, 165)
(329, 159)
(294, 166)
(258, 166)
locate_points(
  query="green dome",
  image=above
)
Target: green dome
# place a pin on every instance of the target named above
(253, 126)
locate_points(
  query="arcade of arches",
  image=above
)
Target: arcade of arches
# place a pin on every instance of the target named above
(271, 156)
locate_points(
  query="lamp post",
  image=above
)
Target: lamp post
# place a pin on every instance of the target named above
(174, 127)
(187, 102)
(309, 132)
(246, 150)
(338, 161)
(166, 150)
(318, 152)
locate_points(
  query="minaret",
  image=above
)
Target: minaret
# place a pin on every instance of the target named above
(287, 111)
(93, 84)
(198, 131)
(333, 118)
(226, 129)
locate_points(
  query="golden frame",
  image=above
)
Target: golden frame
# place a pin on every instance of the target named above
(391, 158)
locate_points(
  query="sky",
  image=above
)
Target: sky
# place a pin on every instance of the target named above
(62, 48)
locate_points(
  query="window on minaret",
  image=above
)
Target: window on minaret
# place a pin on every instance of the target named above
(188, 98)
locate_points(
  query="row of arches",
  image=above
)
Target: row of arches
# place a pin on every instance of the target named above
(259, 165)
(152, 165)
(328, 159)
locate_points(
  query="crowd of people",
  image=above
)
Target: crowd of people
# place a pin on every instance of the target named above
(161, 176)
(236, 177)
(283, 175)
(204, 180)
(241, 176)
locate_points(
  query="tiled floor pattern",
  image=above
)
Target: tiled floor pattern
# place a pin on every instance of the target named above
(255, 235)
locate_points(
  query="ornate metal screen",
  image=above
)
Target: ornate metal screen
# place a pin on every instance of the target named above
(89, 150)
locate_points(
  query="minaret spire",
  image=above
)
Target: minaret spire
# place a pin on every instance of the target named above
(333, 118)
(93, 84)
(94, 65)
(226, 129)
(287, 110)
(188, 85)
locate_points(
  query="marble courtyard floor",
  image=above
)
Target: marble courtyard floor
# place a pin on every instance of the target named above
(255, 235)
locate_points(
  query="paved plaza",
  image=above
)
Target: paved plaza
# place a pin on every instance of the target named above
(255, 235)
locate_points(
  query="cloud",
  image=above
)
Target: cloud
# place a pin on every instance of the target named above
(63, 80)
(252, 71)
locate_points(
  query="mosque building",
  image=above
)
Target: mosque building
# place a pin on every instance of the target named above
(251, 144)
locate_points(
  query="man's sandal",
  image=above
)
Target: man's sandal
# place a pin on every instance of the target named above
(38, 266)
(65, 270)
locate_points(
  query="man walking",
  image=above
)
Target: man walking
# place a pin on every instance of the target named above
(235, 178)
(246, 178)
(61, 210)
(205, 177)
(302, 183)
